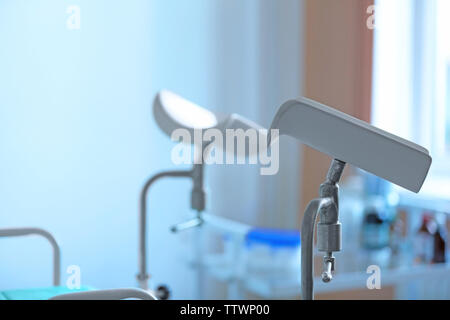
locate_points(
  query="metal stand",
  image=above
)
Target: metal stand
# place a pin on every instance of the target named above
(197, 203)
(328, 230)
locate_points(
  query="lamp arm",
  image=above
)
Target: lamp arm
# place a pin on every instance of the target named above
(142, 275)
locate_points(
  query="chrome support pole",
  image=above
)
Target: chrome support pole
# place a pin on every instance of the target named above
(329, 230)
(143, 276)
(19, 232)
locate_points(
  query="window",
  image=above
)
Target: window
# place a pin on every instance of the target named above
(447, 107)
(443, 63)
(411, 93)
(442, 90)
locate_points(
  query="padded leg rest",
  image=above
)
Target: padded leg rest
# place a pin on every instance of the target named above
(39, 293)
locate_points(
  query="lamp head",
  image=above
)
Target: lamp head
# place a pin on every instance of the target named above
(354, 141)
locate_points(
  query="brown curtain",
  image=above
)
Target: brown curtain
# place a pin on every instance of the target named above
(338, 72)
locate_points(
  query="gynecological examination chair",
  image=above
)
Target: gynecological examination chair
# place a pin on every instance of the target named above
(56, 291)
(344, 138)
(173, 112)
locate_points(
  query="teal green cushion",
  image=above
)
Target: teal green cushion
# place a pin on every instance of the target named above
(39, 293)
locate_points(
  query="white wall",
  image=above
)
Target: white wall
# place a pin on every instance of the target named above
(259, 67)
(77, 138)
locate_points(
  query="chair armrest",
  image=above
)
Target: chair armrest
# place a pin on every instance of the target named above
(19, 232)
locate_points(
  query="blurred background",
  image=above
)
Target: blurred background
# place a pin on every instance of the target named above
(78, 140)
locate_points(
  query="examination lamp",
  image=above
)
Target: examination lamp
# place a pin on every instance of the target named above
(173, 112)
(346, 140)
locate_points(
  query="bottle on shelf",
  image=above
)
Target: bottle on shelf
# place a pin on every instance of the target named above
(375, 234)
(440, 237)
(424, 240)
